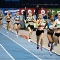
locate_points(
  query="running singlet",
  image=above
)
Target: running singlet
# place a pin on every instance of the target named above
(29, 19)
(50, 25)
(17, 18)
(8, 17)
(42, 23)
(58, 23)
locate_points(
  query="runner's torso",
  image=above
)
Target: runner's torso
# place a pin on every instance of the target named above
(8, 17)
(57, 25)
(42, 24)
(30, 20)
(17, 19)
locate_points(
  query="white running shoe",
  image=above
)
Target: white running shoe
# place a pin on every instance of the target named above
(29, 40)
(17, 35)
(50, 52)
(15, 32)
(7, 32)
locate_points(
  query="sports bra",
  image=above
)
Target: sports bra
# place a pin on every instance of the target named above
(17, 17)
(58, 23)
(8, 17)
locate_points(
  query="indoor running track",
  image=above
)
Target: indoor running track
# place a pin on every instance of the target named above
(18, 48)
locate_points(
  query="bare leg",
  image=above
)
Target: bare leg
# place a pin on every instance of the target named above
(50, 38)
(30, 32)
(38, 42)
(41, 40)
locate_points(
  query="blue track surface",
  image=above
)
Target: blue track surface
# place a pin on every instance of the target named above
(20, 49)
(3, 54)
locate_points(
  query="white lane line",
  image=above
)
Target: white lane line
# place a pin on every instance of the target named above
(7, 52)
(22, 46)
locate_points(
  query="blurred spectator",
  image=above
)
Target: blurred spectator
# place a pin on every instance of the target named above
(49, 13)
(36, 11)
(24, 14)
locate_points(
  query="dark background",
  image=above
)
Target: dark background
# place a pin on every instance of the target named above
(29, 3)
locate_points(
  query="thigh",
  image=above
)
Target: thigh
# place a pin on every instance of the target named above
(15, 26)
(42, 36)
(38, 37)
(19, 26)
(9, 23)
(49, 37)
(29, 29)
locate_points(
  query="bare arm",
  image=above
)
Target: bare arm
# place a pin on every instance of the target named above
(34, 19)
(37, 23)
